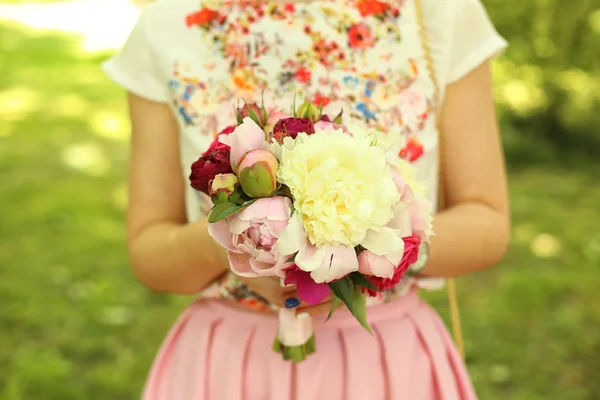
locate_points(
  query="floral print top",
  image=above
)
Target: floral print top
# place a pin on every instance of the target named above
(365, 57)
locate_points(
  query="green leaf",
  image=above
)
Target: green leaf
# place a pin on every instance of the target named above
(353, 298)
(335, 302)
(254, 117)
(292, 258)
(360, 280)
(285, 191)
(224, 210)
(294, 113)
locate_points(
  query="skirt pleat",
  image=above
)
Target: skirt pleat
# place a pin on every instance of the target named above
(219, 351)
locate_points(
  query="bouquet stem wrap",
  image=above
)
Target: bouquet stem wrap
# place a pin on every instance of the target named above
(296, 335)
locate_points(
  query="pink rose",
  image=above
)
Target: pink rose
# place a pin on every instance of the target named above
(246, 137)
(250, 235)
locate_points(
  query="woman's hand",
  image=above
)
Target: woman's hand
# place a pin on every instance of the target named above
(270, 288)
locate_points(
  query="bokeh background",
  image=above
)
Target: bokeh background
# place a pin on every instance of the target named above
(74, 323)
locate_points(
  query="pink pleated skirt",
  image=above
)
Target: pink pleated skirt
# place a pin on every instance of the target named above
(218, 351)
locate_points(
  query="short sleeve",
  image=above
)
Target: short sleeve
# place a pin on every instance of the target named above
(136, 67)
(474, 38)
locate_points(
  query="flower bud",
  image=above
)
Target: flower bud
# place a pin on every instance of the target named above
(310, 111)
(258, 173)
(224, 188)
(255, 112)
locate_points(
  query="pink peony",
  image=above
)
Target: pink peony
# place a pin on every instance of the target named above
(250, 236)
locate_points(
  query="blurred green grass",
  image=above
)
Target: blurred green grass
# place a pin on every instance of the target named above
(76, 325)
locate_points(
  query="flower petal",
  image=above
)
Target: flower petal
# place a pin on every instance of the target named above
(240, 264)
(402, 220)
(261, 268)
(292, 238)
(310, 257)
(308, 290)
(238, 226)
(221, 232)
(277, 208)
(247, 136)
(372, 264)
(383, 242)
(338, 262)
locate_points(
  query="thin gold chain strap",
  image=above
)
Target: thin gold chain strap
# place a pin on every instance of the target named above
(452, 295)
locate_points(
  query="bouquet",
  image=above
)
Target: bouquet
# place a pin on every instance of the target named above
(322, 203)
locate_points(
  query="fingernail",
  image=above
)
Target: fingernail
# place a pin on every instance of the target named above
(292, 302)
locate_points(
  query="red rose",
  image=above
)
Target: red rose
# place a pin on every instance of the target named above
(292, 127)
(204, 170)
(411, 254)
(216, 145)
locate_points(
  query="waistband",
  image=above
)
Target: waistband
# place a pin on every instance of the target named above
(391, 310)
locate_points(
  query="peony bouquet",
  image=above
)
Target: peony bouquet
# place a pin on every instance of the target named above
(320, 202)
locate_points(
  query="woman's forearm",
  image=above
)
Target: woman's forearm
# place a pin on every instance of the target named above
(179, 259)
(469, 237)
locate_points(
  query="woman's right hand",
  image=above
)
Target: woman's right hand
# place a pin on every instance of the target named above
(271, 289)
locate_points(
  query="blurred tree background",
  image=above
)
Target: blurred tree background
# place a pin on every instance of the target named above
(74, 323)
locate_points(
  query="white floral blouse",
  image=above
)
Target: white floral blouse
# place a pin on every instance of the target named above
(367, 57)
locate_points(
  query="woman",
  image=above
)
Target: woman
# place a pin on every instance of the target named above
(405, 67)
